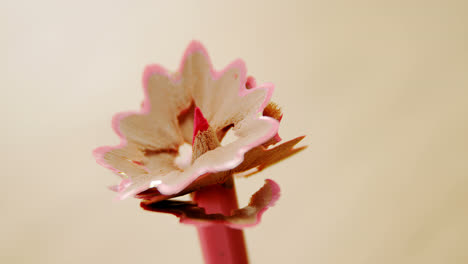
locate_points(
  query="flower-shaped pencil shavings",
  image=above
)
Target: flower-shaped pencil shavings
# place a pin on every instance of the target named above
(197, 105)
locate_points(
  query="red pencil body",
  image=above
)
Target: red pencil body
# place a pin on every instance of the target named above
(219, 243)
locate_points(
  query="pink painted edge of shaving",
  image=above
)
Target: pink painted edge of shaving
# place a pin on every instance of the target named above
(193, 47)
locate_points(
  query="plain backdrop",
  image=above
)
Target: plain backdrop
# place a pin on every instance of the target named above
(380, 88)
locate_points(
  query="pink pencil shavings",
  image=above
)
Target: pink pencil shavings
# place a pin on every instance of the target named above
(151, 138)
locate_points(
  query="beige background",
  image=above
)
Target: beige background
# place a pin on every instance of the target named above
(379, 87)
